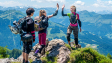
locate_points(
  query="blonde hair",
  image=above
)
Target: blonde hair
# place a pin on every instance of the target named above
(74, 8)
(41, 12)
(75, 11)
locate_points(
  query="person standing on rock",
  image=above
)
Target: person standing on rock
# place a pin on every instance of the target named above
(42, 33)
(74, 18)
(27, 46)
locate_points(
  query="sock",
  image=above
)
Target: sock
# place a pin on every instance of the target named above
(26, 61)
(37, 51)
(23, 60)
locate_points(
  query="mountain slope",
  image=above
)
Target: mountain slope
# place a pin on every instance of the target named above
(55, 30)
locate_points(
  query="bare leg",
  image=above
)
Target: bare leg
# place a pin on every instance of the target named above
(68, 42)
(26, 57)
(23, 55)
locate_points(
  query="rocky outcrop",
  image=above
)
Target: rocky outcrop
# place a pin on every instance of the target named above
(7, 60)
(57, 49)
(54, 48)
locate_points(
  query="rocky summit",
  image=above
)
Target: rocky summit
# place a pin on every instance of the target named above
(54, 48)
(57, 51)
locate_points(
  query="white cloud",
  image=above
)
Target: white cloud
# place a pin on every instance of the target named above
(110, 2)
(79, 3)
(101, 3)
(96, 5)
(10, 4)
(49, 0)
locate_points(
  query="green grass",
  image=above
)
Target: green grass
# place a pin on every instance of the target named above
(87, 55)
(68, 46)
(48, 59)
(30, 60)
(80, 55)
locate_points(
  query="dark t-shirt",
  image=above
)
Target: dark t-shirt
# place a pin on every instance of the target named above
(30, 28)
(44, 30)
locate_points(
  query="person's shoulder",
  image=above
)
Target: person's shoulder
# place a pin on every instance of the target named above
(68, 14)
(78, 15)
(37, 18)
(30, 20)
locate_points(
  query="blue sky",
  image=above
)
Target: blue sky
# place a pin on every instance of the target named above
(90, 5)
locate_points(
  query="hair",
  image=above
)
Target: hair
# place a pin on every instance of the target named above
(29, 11)
(74, 7)
(74, 10)
(41, 12)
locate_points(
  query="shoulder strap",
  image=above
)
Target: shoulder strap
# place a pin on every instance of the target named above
(26, 19)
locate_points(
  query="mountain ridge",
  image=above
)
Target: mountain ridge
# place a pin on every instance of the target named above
(85, 37)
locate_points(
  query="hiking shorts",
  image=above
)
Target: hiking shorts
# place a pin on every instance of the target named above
(27, 47)
(74, 29)
(42, 38)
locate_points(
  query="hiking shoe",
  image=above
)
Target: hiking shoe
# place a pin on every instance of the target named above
(76, 47)
(70, 44)
(36, 55)
(79, 46)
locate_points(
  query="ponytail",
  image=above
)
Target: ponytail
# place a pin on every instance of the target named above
(41, 12)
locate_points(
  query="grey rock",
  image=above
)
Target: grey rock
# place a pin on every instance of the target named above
(55, 47)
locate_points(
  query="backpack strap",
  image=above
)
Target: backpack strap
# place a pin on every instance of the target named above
(26, 19)
(75, 14)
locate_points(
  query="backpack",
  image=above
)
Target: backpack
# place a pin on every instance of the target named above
(73, 19)
(20, 27)
(25, 36)
(40, 23)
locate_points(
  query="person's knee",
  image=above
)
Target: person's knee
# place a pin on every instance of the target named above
(27, 51)
(68, 36)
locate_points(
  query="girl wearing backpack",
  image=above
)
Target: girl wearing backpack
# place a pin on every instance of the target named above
(42, 33)
(74, 18)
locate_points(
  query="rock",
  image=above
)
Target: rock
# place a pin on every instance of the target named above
(55, 47)
(63, 56)
(20, 58)
(6, 60)
(56, 43)
(72, 44)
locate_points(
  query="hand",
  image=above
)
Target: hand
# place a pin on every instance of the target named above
(80, 29)
(57, 6)
(63, 7)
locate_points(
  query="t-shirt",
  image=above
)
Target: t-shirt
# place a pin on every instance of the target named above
(44, 30)
(69, 14)
(30, 24)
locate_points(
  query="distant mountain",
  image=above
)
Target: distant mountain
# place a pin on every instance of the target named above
(55, 30)
(104, 12)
